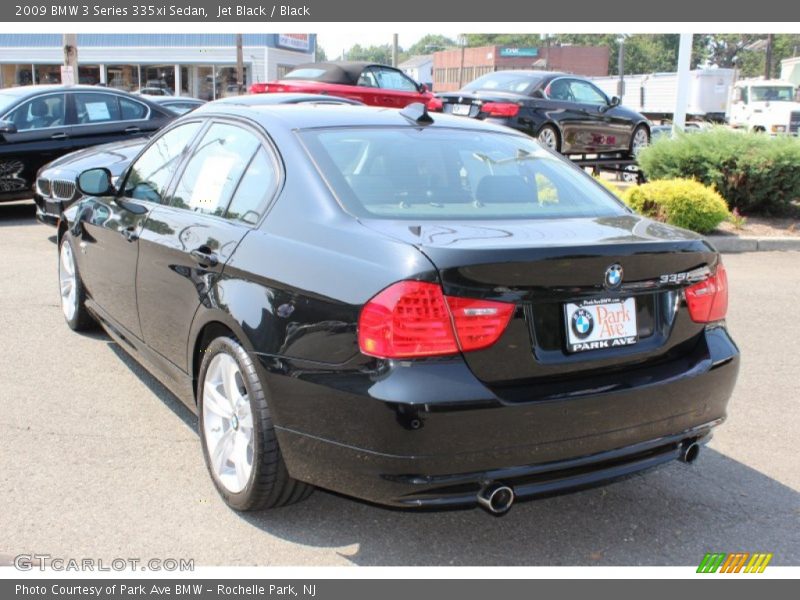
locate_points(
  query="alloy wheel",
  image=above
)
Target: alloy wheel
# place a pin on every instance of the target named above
(67, 279)
(640, 140)
(228, 423)
(548, 138)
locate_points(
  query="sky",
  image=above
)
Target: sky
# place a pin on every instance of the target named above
(334, 42)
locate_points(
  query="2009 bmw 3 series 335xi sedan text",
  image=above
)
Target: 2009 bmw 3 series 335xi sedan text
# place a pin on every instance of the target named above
(415, 311)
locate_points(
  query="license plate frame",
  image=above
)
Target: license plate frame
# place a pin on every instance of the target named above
(600, 324)
(461, 110)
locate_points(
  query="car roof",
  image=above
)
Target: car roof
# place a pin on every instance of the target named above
(316, 116)
(344, 72)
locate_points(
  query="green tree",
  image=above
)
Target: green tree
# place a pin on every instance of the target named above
(379, 54)
(321, 56)
(430, 43)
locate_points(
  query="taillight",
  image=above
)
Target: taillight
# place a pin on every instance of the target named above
(435, 104)
(414, 319)
(500, 109)
(708, 300)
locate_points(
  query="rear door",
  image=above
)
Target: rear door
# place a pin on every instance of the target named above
(219, 196)
(109, 244)
(43, 134)
(99, 118)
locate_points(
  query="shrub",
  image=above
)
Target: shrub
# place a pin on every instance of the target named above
(682, 202)
(752, 171)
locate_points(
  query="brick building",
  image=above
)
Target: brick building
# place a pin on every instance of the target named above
(579, 60)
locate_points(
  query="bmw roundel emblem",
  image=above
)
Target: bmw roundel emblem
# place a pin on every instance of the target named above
(582, 323)
(613, 278)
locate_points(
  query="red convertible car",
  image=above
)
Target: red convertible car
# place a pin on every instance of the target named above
(370, 83)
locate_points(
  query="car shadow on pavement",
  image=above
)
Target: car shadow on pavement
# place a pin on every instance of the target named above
(17, 213)
(156, 387)
(668, 516)
(672, 515)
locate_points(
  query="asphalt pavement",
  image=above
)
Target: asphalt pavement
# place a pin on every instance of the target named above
(98, 460)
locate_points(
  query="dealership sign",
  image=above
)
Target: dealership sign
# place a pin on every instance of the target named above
(519, 52)
(295, 41)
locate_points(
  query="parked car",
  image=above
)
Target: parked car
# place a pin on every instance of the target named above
(40, 123)
(55, 183)
(180, 105)
(154, 91)
(370, 83)
(423, 311)
(566, 113)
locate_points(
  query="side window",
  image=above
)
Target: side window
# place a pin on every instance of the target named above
(131, 110)
(389, 79)
(559, 89)
(152, 172)
(46, 111)
(586, 93)
(367, 78)
(96, 108)
(254, 191)
(214, 170)
(745, 95)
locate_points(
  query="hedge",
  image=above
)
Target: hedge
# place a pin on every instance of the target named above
(754, 172)
(682, 202)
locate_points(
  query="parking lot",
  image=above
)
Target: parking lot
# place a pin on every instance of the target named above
(99, 460)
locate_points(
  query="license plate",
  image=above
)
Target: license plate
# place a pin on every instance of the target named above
(600, 323)
(462, 109)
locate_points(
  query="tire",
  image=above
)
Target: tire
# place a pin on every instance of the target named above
(639, 139)
(245, 463)
(73, 294)
(549, 137)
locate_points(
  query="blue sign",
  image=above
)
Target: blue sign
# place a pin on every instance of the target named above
(519, 52)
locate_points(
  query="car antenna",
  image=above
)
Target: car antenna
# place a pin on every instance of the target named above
(418, 113)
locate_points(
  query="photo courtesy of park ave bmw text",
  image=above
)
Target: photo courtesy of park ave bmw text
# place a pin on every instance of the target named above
(299, 297)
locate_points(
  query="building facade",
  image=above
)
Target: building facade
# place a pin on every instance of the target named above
(198, 65)
(419, 68)
(455, 68)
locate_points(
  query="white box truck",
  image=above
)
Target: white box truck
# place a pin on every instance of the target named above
(766, 105)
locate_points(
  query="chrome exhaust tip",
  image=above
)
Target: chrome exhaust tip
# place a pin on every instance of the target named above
(690, 452)
(496, 498)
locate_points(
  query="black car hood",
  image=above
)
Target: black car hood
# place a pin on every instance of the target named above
(115, 156)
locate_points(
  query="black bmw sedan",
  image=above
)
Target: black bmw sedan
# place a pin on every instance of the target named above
(566, 113)
(416, 310)
(42, 122)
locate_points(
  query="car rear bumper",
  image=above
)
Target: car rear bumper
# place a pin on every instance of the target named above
(443, 453)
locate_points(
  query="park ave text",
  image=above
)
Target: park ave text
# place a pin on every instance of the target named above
(267, 11)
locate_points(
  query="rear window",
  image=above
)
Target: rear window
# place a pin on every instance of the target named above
(304, 74)
(504, 81)
(440, 173)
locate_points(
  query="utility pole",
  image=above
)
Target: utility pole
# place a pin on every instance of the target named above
(682, 97)
(239, 65)
(70, 43)
(463, 41)
(394, 50)
(621, 68)
(768, 58)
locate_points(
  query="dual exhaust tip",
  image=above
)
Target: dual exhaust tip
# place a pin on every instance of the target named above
(498, 498)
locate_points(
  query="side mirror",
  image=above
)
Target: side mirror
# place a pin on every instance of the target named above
(96, 182)
(615, 101)
(7, 127)
(538, 94)
(422, 88)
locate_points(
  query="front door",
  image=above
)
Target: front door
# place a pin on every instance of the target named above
(109, 243)
(218, 197)
(43, 134)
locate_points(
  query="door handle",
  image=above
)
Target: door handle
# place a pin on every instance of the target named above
(59, 136)
(204, 257)
(133, 129)
(130, 233)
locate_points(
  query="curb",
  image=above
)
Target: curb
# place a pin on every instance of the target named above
(732, 244)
